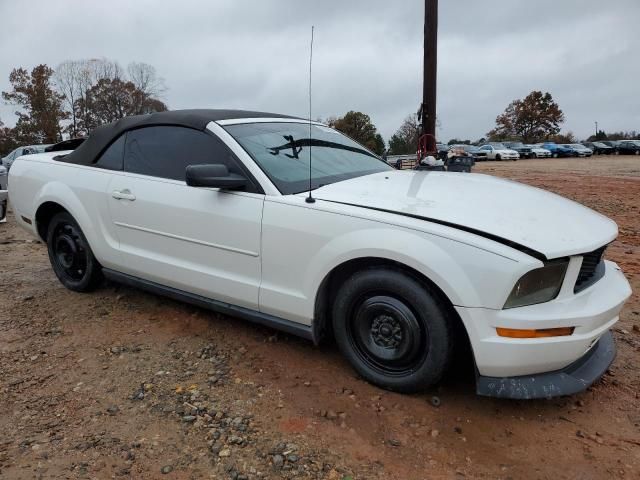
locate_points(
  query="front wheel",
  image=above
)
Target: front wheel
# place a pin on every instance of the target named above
(498, 157)
(70, 255)
(394, 331)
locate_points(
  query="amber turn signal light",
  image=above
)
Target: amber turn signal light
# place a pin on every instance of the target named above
(541, 333)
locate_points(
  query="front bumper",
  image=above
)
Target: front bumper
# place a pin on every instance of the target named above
(575, 378)
(592, 312)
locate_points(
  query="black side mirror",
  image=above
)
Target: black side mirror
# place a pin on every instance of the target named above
(214, 176)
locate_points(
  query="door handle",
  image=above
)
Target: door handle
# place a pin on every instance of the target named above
(123, 195)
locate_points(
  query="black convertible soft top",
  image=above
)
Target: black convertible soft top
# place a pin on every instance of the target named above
(91, 149)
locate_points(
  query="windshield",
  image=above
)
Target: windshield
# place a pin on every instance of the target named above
(281, 149)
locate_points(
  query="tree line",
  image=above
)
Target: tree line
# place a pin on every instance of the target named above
(80, 95)
(75, 98)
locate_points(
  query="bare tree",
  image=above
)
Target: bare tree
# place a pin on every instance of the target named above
(91, 72)
(147, 81)
(68, 80)
(405, 140)
(99, 90)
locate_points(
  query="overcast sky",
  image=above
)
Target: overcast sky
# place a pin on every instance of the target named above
(253, 54)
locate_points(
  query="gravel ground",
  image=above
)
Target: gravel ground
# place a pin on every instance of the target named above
(122, 384)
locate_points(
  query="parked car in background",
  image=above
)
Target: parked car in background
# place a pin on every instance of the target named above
(558, 150)
(523, 150)
(472, 151)
(538, 152)
(579, 150)
(3, 177)
(497, 151)
(383, 261)
(3, 193)
(24, 150)
(628, 147)
(612, 143)
(599, 148)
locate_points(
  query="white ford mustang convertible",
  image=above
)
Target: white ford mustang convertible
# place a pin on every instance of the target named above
(400, 267)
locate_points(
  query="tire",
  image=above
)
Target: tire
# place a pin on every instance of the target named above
(498, 157)
(71, 256)
(637, 152)
(555, 155)
(393, 330)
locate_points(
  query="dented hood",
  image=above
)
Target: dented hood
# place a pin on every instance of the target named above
(536, 219)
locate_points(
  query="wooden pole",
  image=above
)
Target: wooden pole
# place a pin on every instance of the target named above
(430, 74)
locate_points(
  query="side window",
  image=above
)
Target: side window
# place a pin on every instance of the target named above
(167, 151)
(112, 157)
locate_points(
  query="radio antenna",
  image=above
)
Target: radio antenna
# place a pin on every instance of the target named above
(310, 198)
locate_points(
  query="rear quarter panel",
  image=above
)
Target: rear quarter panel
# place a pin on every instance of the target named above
(81, 190)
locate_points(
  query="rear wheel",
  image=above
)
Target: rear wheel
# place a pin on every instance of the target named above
(70, 255)
(393, 330)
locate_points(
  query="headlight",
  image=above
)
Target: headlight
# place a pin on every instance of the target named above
(539, 285)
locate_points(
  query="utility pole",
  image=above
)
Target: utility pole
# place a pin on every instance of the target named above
(596, 129)
(430, 74)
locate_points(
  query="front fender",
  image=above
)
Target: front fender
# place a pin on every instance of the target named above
(467, 275)
(302, 246)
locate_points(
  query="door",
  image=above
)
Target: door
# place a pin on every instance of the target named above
(199, 240)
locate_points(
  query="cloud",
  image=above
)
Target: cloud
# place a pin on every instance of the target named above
(368, 55)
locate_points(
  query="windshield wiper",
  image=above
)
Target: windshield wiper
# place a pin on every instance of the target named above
(297, 145)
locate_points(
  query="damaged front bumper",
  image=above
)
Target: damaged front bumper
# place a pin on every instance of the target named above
(572, 379)
(522, 368)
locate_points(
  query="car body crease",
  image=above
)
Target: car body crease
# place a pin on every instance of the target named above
(274, 200)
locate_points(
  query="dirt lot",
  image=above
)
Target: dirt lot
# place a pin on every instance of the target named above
(122, 384)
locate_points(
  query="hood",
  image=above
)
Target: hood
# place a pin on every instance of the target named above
(533, 218)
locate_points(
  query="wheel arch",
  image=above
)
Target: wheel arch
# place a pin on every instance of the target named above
(56, 197)
(340, 273)
(43, 216)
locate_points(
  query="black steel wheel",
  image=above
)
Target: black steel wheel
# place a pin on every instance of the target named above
(387, 335)
(70, 255)
(393, 330)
